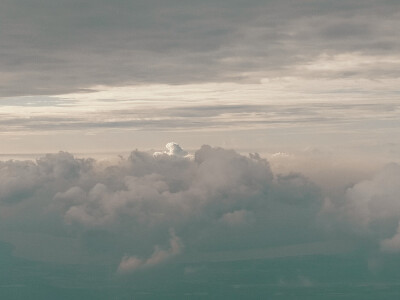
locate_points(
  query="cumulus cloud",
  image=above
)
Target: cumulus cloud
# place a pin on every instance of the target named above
(216, 200)
(237, 218)
(138, 212)
(371, 208)
(375, 199)
(392, 244)
(132, 263)
(173, 149)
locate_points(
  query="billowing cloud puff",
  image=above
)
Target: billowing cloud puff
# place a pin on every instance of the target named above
(376, 199)
(371, 208)
(132, 263)
(237, 217)
(135, 210)
(173, 149)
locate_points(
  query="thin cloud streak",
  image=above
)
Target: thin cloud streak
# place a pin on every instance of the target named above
(217, 117)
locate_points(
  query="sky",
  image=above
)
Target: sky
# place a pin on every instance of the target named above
(96, 76)
(169, 149)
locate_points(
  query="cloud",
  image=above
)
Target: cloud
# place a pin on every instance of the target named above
(216, 200)
(391, 244)
(126, 115)
(237, 218)
(137, 213)
(166, 219)
(376, 199)
(173, 149)
(132, 263)
(371, 209)
(95, 42)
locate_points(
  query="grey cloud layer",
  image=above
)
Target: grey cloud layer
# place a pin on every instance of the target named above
(50, 47)
(147, 210)
(184, 118)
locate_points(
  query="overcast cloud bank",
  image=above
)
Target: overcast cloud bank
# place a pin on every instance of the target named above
(56, 47)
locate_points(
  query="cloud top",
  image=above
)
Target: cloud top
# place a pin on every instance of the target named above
(173, 149)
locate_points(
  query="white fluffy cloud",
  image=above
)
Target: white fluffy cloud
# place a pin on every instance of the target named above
(173, 149)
